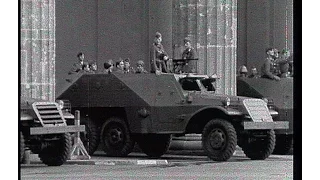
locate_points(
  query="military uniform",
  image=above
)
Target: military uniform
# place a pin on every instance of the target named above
(267, 69)
(189, 66)
(157, 55)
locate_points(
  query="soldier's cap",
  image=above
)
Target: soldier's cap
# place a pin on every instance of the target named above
(127, 60)
(269, 49)
(243, 69)
(187, 39)
(80, 54)
(107, 65)
(158, 35)
(140, 62)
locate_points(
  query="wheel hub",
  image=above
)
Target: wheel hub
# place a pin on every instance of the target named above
(115, 136)
(217, 139)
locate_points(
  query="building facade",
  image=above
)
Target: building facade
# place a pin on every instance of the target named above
(223, 32)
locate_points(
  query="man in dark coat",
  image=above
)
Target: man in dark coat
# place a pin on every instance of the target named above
(158, 56)
(268, 65)
(188, 53)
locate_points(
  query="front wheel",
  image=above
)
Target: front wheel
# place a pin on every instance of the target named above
(91, 137)
(259, 147)
(116, 137)
(55, 150)
(219, 139)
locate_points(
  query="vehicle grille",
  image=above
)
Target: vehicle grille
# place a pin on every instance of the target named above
(49, 114)
(257, 110)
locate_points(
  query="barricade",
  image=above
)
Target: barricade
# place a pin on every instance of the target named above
(78, 151)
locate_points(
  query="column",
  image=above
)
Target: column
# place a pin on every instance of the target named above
(37, 49)
(212, 25)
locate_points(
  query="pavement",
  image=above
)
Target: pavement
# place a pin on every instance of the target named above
(186, 149)
(138, 158)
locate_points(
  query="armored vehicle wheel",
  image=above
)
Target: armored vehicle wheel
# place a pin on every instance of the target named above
(22, 146)
(91, 137)
(283, 144)
(56, 150)
(219, 139)
(116, 138)
(154, 145)
(259, 147)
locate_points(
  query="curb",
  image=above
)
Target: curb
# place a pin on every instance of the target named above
(132, 162)
(34, 159)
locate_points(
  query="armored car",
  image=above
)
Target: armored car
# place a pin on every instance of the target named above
(121, 109)
(278, 94)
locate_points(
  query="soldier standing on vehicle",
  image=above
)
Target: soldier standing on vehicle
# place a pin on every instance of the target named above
(188, 53)
(267, 68)
(78, 66)
(158, 56)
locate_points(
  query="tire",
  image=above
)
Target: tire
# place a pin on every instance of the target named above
(56, 152)
(116, 138)
(91, 137)
(154, 145)
(22, 147)
(259, 148)
(283, 144)
(219, 139)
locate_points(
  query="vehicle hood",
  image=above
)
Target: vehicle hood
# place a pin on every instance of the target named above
(219, 98)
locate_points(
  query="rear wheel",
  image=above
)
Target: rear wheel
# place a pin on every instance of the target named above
(154, 145)
(116, 138)
(90, 138)
(56, 150)
(259, 147)
(219, 139)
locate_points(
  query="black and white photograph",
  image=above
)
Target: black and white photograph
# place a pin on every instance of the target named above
(158, 89)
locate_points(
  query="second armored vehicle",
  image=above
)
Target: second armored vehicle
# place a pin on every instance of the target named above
(279, 94)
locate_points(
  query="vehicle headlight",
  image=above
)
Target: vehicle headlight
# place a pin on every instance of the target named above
(226, 101)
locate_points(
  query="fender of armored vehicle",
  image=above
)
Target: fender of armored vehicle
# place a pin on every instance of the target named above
(279, 92)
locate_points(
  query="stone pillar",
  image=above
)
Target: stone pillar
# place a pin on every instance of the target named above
(37, 31)
(160, 20)
(212, 26)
